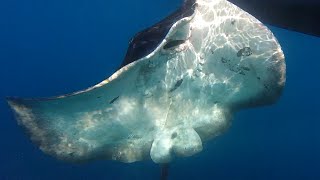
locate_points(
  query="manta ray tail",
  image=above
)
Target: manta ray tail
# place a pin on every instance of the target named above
(164, 171)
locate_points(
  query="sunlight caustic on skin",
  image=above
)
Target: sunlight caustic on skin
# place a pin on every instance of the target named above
(209, 65)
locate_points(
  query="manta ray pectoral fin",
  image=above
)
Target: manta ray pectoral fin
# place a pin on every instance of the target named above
(81, 126)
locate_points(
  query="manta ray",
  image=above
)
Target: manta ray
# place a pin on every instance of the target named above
(180, 84)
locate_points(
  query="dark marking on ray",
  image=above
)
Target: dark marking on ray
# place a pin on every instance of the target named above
(174, 135)
(233, 21)
(234, 68)
(178, 83)
(173, 43)
(246, 51)
(114, 99)
(241, 72)
(245, 68)
(224, 60)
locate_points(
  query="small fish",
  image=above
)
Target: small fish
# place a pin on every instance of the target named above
(113, 100)
(178, 83)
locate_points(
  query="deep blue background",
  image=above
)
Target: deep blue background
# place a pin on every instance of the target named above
(55, 47)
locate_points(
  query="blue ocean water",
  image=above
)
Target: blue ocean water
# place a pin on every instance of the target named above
(55, 47)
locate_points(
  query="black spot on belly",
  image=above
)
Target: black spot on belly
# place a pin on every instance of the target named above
(173, 43)
(233, 21)
(245, 68)
(246, 51)
(113, 100)
(178, 83)
(224, 60)
(174, 135)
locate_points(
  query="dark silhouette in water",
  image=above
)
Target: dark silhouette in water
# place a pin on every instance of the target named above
(300, 15)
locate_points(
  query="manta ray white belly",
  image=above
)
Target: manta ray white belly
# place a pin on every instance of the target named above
(210, 65)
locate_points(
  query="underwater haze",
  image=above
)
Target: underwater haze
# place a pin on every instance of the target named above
(56, 47)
